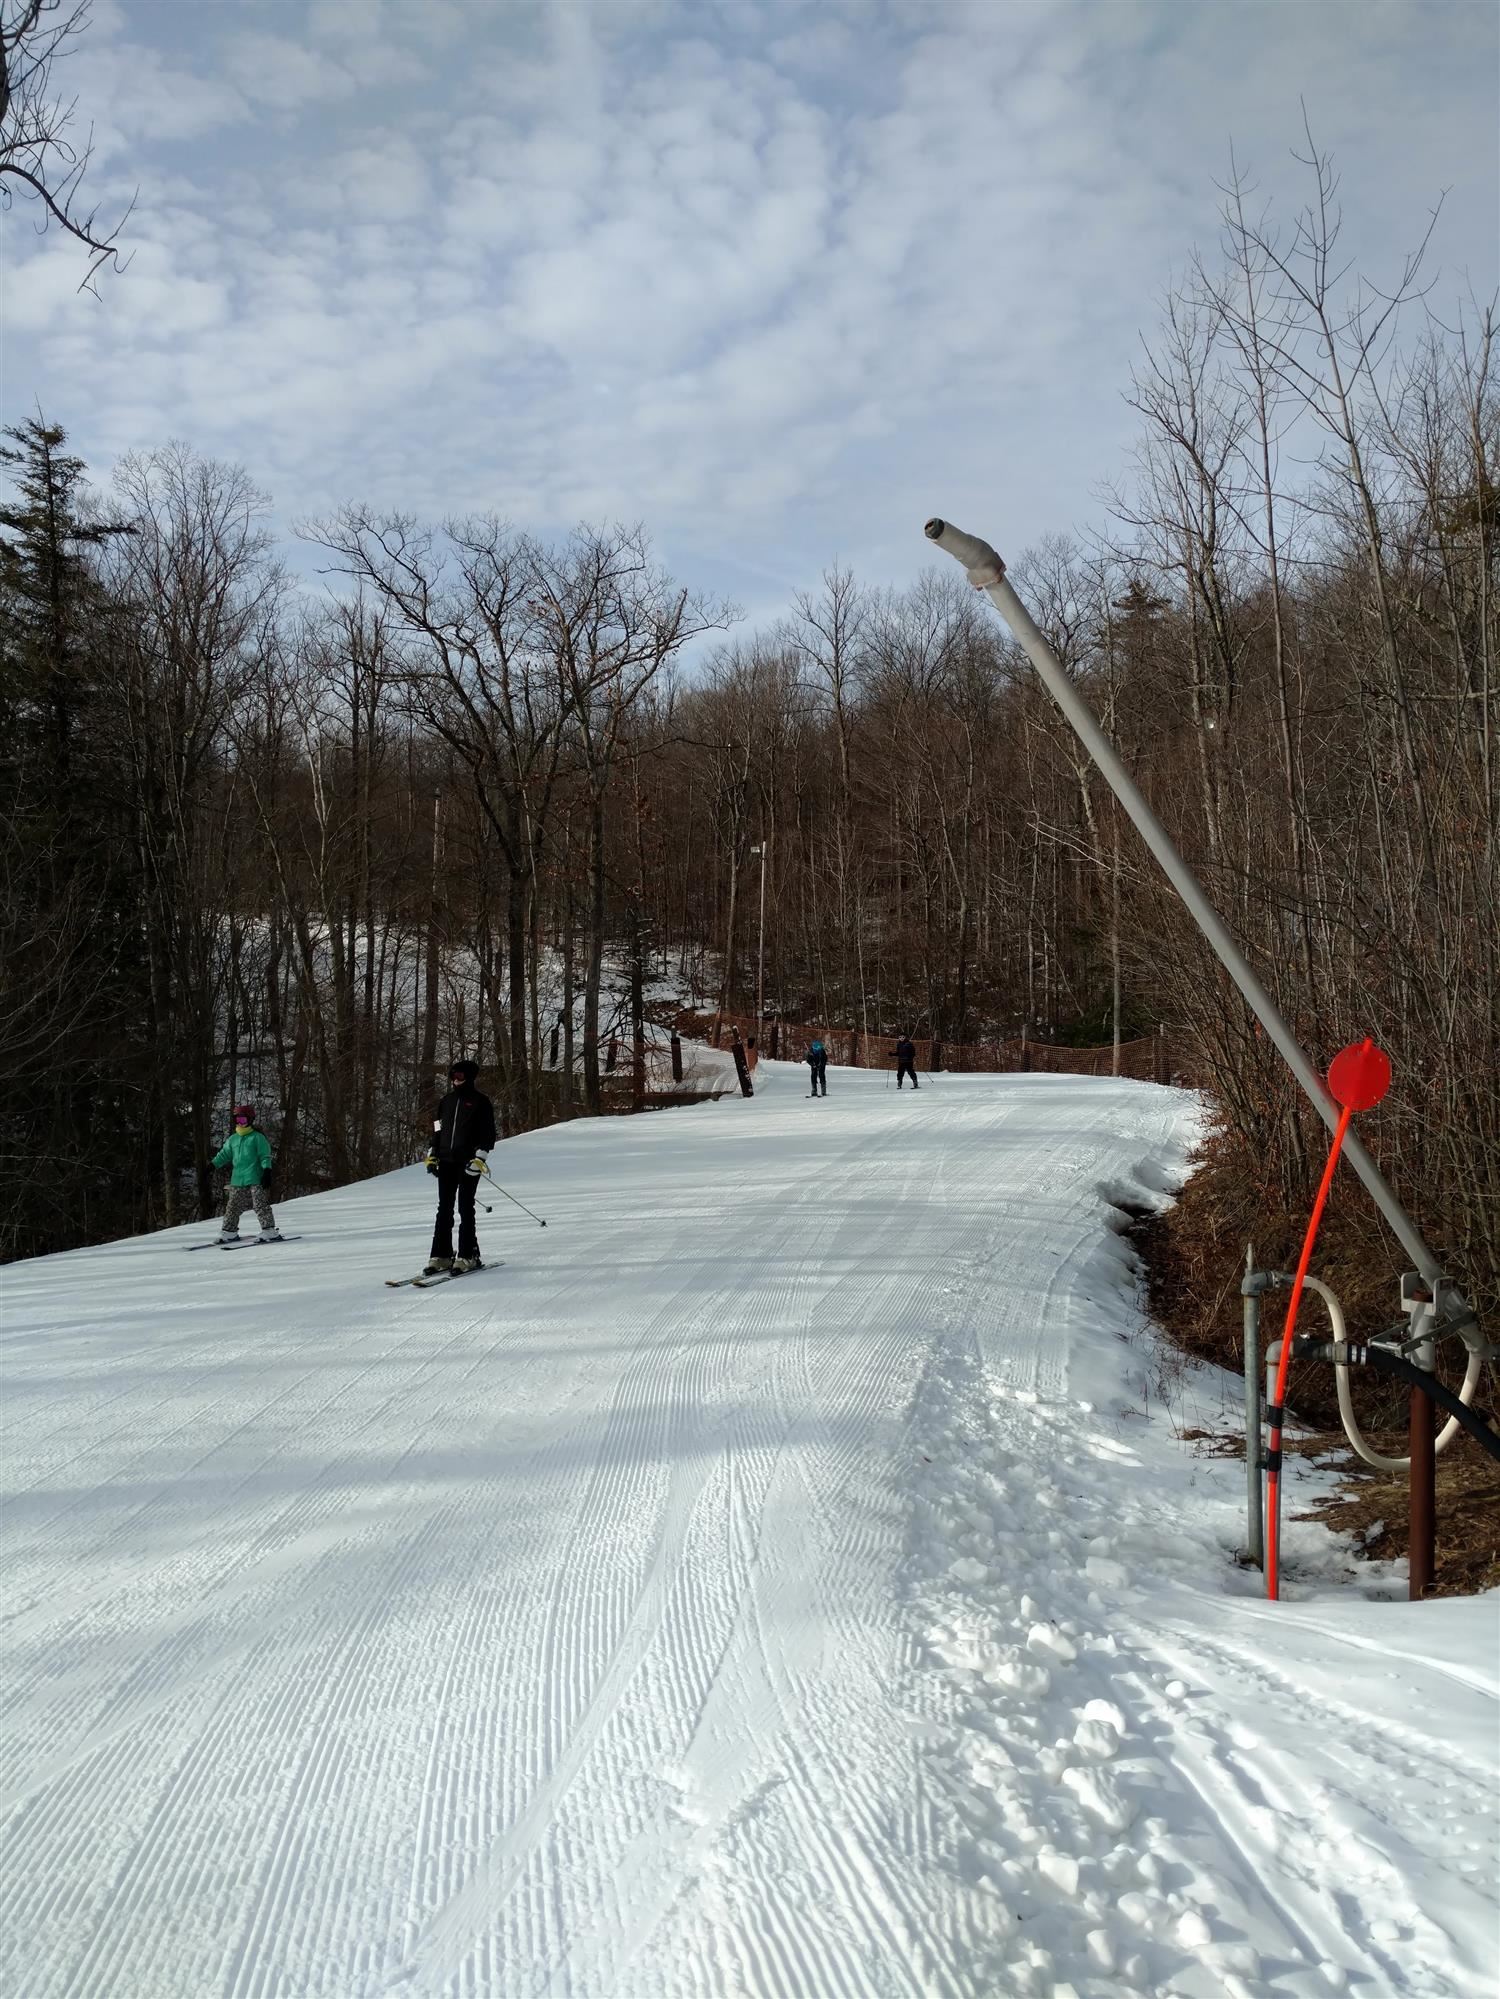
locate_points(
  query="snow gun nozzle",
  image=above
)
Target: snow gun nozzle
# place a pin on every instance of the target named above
(983, 565)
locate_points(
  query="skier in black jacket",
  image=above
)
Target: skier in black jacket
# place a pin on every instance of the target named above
(463, 1130)
(906, 1062)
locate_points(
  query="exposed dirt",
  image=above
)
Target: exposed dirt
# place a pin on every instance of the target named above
(1468, 1513)
(1194, 1256)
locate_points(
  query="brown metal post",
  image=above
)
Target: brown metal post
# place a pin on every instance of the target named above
(1422, 1558)
(676, 1056)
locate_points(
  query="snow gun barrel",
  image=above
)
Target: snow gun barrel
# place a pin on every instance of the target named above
(1447, 1309)
(984, 566)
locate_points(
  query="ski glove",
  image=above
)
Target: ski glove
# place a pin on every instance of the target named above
(475, 1166)
(430, 1162)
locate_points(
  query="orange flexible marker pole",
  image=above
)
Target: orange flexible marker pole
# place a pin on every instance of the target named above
(1273, 1457)
(1358, 1078)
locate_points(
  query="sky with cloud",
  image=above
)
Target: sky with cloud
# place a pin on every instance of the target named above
(778, 280)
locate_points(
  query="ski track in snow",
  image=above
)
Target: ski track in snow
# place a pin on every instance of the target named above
(769, 1584)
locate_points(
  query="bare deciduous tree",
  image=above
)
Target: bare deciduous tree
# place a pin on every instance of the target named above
(39, 160)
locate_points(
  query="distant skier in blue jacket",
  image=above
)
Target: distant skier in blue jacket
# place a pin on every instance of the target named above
(817, 1061)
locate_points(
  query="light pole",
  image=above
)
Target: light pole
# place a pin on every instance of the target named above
(760, 950)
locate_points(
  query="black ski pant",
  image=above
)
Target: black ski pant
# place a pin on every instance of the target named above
(904, 1068)
(819, 1078)
(454, 1180)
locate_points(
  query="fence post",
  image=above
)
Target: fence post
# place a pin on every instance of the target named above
(611, 1054)
(676, 1056)
(1163, 1070)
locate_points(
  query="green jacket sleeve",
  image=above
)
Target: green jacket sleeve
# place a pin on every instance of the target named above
(221, 1157)
(265, 1154)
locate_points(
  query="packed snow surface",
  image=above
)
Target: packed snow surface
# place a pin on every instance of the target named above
(784, 1577)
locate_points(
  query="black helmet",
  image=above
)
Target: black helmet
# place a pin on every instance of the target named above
(467, 1070)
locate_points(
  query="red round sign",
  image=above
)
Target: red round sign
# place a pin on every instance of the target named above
(1359, 1075)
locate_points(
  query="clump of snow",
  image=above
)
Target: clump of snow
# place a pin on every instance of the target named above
(1184, 1726)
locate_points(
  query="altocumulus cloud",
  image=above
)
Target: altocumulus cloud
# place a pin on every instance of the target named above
(775, 279)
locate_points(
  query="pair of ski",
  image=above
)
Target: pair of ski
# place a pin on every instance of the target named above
(422, 1282)
(244, 1242)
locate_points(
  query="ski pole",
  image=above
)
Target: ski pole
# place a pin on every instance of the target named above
(512, 1199)
(1358, 1077)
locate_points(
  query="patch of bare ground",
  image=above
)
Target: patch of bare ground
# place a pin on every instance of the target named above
(1194, 1257)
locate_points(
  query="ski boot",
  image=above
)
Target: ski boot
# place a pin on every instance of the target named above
(436, 1265)
(462, 1265)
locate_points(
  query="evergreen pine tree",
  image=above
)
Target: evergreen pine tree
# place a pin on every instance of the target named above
(45, 586)
(67, 923)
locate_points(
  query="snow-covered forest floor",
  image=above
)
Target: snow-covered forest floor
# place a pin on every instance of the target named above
(781, 1578)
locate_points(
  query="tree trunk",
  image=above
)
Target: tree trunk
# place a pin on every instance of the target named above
(430, 1004)
(593, 1097)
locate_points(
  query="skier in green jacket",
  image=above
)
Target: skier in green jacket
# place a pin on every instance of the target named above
(247, 1152)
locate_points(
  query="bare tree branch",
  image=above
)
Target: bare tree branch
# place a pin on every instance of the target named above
(37, 158)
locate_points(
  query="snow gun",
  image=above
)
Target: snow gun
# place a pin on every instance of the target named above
(1433, 1307)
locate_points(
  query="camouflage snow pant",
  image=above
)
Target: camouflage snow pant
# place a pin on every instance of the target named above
(240, 1198)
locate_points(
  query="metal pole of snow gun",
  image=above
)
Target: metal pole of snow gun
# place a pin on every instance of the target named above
(1437, 1307)
(485, 1172)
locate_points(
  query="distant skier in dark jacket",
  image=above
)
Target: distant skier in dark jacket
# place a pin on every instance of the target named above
(247, 1154)
(906, 1062)
(817, 1061)
(463, 1130)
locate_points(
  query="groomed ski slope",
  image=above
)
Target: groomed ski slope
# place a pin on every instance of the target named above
(780, 1579)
